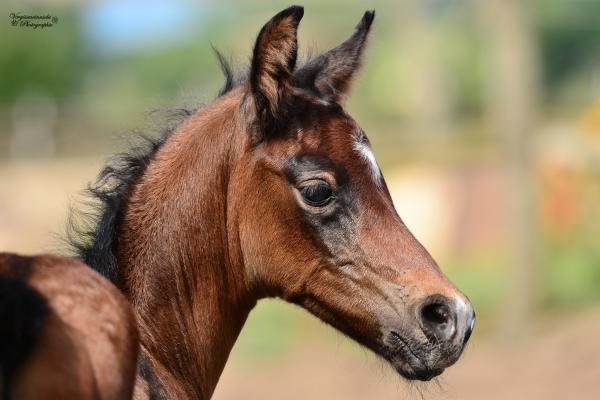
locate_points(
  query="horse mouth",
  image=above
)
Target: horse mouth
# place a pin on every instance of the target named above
(409, 361)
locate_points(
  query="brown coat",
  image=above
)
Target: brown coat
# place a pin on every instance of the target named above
(66, 332)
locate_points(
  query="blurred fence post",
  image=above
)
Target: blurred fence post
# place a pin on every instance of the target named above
(512, 104)
(428, 87)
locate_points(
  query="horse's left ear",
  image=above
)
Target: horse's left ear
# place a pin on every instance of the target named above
(273, 62)
(330, 74)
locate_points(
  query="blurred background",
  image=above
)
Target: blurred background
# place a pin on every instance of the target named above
(485, 119)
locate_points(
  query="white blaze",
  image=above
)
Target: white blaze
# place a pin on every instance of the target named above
(366, 154)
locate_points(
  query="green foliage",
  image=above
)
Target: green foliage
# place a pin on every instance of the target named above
(571, 274)
(57, 61)
(485, 284)
(43, 60)
(269, 330)
(569, 35)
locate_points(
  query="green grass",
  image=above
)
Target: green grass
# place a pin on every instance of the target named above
(485, 286)
(571, 276)
(269, 331)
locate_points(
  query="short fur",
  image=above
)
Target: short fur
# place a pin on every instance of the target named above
(199, 226)
(23, 311)
(92, 235)
(65, 332)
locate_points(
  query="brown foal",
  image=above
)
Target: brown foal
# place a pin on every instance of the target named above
(272, 190)
(66, 333)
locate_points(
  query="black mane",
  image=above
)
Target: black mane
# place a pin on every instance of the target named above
(92, 234)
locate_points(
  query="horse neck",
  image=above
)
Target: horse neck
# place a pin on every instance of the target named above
(179, 265)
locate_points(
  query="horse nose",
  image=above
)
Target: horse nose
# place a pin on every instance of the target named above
(469, 324)
(438, 318)
(446, 320)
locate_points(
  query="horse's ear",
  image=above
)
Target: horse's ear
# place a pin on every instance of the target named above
(273, 63)
(330, 74)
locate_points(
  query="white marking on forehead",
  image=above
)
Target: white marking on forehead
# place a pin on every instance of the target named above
(366, 154)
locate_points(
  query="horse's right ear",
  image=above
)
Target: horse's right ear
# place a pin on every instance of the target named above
(273, 63)
(330, 74)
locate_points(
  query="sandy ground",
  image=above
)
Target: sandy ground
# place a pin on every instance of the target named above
(34, 201)
(559, 360)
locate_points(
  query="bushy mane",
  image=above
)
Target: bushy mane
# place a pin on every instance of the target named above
(92, 233)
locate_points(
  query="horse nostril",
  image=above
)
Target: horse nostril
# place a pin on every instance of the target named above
(438, 319)
(436, 313)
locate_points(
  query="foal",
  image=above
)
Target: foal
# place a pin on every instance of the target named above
(65, 332)
(270, 191)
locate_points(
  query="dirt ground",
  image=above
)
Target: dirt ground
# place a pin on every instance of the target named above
(559, 360)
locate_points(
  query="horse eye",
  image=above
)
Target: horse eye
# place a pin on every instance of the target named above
(317, 194)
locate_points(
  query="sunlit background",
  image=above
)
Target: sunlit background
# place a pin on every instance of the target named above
(484, 116)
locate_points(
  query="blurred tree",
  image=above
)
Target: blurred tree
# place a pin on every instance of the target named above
(512, 102)
(569, 36)
(430, 97)
(42, 60)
